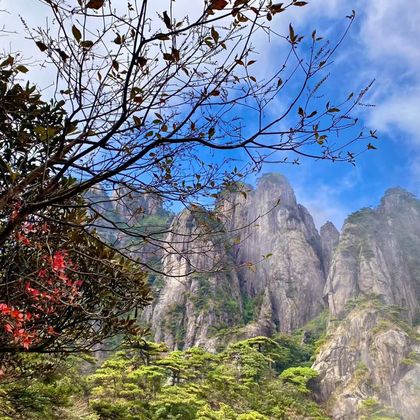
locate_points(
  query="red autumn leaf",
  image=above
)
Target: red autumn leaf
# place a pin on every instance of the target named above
(51, 331)
(30, 290)
(218, 4)
(63, 278)
(8, 328)
(78, 283)
(28, 227)
(20, 237)
(18, 332)
(15, 314)
(58, 263)
(15, 211)
(26, 342)
(4, 309)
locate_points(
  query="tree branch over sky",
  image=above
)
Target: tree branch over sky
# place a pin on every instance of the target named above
(156, 102)
(150, 102)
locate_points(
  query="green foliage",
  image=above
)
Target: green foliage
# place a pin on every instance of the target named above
(250, 307)
(174, 322)
(363, 218)
(145, 381)
(389, 316)
(195, 384)
(154, 225)
(371, 409)
(299, 376)
(44, 388)
(252, 415)
(360, 225)
(412, 359)
(223, 413)
(313, 335)
(176, 402)
(202, 297)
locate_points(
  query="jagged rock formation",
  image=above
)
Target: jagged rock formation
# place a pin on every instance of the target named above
(257, 265)
(278, 237)
(191, 307)
(273, 271)
(379, 254)
(329, 241)
(131, 206)
(100, 202)
(373, 295)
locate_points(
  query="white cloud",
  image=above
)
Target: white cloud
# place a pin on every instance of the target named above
(390, 32)
(400, 110)
(36, 14)
(324, 206)
(325, 200)
(386, 47)
(383, 44)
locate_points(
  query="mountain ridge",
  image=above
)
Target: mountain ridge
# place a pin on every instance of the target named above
(256, 265)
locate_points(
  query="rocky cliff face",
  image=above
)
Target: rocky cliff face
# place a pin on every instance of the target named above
(100, 201)
(370, 365)
(278, 237)
(201, 291)
(378, 254)
(329, 241)
(272, 271)
(131, 206)
(257, 265)
(371, 359)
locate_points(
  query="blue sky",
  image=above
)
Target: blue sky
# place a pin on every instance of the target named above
(382, 45)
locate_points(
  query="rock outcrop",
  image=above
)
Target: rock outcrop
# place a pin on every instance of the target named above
(270, 272)
(379, 254)
(99, 200)
(131, 206)
(371, 359)
(201, 292)
(329, 241)
(278, 255)
(125, 218)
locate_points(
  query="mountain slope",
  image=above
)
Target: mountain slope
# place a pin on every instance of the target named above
(372, 355)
